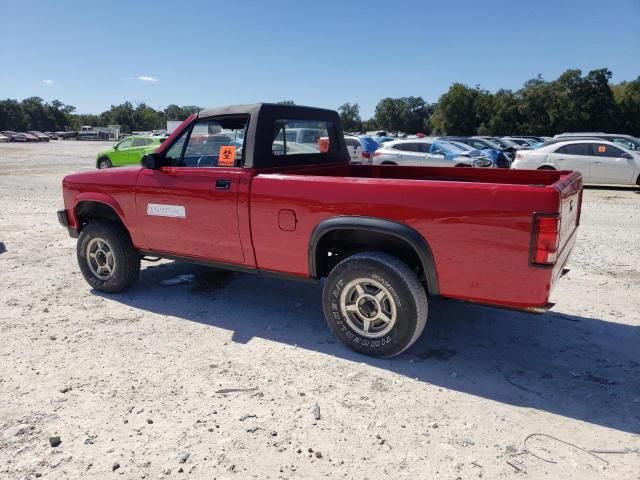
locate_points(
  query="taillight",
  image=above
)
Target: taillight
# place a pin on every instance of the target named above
(545, 239)
(366, 154)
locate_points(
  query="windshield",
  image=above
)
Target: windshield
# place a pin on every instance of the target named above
(447, 147)
(628, 143)
(462, 146)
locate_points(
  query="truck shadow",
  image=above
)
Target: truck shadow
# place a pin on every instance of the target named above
(577, 367)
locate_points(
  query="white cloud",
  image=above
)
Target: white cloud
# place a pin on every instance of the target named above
(146, 78)
(47, 82)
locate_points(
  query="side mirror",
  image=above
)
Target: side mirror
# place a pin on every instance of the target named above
(626, 155)
(150, 161)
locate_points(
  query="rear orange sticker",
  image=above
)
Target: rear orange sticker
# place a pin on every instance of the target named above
(227, 157)
(323, 143)
(602, 149)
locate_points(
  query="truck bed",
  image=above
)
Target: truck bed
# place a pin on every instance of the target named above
(477, 222)
(475, 175)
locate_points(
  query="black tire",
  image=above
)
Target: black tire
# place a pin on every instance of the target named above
(462, 165)
(388, 163)
(546, 167)
(125, 258)
(103, 163)
(403, 289)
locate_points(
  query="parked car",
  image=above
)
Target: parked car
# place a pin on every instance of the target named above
(39, 135)
(502, 157)
(360, 148)
(578, 134)
(535, 138)
(354, 147)
(52, 135)
(523, 142)
(426, 152)
(627, 141)
(4, 139)
(383, 140)
(597, 161)
(67, 135)
(383, 238)
(127, 152)
(503, 143)
(24, 137)
(470, 150)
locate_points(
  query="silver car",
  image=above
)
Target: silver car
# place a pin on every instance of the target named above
(427, 152)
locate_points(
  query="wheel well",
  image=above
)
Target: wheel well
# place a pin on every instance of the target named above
(546, 167)
(336, 245)
(88, 211)
(388, 163)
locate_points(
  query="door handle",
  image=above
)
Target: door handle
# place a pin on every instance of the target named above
(223, 184)
(598, 163)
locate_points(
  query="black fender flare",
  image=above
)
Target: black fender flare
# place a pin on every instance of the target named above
(378, 225)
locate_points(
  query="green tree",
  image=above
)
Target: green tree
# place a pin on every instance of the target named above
(350, 117)
(627, 98)
(11, 116)
(455, 113)
(369, 125)
(406, 114)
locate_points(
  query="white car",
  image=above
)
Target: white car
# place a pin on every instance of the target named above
(420, 153)
(597, 161)
(4, 139)
(354, 147)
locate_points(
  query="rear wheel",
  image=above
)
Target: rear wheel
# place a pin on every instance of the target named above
(103, 163)
(375, 304)
(546, 167)
(107, 258)
(388, 163)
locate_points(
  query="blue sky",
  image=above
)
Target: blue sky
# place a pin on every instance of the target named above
(321, 53)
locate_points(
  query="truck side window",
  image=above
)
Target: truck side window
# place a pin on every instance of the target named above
(174, 154)
(212, 142)
(295, 137)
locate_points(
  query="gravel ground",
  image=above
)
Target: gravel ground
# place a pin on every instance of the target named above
(237, 376)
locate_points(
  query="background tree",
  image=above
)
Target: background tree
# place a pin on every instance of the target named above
(350, 117)
(572, 102)
(406, 114)
(369, 125)
(455, 112)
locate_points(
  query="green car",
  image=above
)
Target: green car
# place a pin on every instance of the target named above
(128, 151)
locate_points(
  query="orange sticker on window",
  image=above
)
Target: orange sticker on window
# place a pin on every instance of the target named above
(323, 144)
(227, 156)
(602, 149)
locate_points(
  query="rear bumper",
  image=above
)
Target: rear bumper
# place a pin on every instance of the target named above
(64, 221)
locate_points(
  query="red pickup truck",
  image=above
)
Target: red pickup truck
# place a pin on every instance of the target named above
(249, 188)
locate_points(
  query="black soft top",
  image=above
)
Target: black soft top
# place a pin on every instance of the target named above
(261, 131)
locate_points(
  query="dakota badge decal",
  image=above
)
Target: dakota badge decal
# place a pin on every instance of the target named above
(160, 210)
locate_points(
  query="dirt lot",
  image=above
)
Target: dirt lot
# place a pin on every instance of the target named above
(134, 384)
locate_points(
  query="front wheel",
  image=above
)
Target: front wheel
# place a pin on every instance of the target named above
(108, 260)
(375, 304)
(104, 163)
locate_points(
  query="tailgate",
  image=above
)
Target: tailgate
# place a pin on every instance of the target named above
(570, 189)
